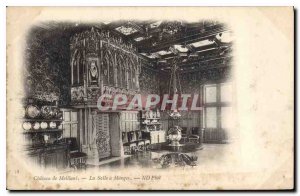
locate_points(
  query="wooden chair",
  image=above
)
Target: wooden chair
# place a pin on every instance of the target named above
(124, 137)
(133, 148)
(141, 145)
(77, 159)
(194, 137)
(147, 143)
(127, 149)
(184, 137)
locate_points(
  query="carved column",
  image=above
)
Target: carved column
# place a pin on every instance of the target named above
(116, 70)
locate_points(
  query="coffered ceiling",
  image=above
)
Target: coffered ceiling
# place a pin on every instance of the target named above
(194, 46)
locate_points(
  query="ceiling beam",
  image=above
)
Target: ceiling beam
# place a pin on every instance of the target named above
(206, 67)
(182, 39)
(143, 34)
(189, 28)
(197, 62)
(194, 50)
(114, 25)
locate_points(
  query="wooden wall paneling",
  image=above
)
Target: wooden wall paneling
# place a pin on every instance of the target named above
(74, 126)
(89, 122)
(84, 127)
(115, 134)
(81, 129)
(103, 140)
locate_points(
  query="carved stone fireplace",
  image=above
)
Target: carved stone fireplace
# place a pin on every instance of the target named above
(104, 137)
(101, 63)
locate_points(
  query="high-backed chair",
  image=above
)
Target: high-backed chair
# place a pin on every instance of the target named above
(139, 135)
(124, 137)
(76, 158)
(133, 148)
(127, 149)
(147, 143)
(194, 137)
(141, 145)
(184, 134)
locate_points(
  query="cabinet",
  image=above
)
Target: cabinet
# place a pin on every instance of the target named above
(42, 131)
(53, 156)
(130, 129)
(151, 127)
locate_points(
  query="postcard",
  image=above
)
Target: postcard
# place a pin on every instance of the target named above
(150, 98)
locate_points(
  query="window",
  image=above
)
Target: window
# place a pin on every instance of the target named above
(70, 123)
(226, 92)
(217, 109)
(210, 94)
(211, 117)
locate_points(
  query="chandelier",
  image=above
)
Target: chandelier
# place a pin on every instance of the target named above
(174, 133)
(174, 87)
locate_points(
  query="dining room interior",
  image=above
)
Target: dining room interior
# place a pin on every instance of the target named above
(77, 76)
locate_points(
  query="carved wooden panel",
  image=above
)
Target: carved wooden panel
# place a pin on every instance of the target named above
(111, 66)
(117, 67)
(105, 63)
(77, 67)
(101, 123)
(77, 94)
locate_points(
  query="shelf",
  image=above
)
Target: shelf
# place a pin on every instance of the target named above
(41, 120)
(152, 124)
(42, 131)
(150, 118)
(50, 146)
(135, 141)
(153, 131)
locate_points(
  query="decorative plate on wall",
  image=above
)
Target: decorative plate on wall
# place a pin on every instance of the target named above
(44, 125)
(47, 112)
(26, 126)
(32, 111)
(52, 125)
(36, 126)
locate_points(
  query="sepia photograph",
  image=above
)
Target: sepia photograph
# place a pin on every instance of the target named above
(156, 98)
